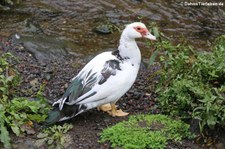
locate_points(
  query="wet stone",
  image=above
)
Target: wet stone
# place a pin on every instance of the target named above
(103, 29)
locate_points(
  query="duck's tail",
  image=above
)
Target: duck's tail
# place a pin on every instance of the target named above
(53, 116)
(68, 112)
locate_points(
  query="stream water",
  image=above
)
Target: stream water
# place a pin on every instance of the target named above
(69, 25)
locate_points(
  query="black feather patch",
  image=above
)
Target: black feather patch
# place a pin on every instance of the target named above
(70, 111)
(82, 108)
(55, 115)
(74, 90)
(92, 94)
(109, 69)
(117, 54)
(91, 80)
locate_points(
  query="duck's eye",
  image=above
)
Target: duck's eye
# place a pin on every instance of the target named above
(139, 28)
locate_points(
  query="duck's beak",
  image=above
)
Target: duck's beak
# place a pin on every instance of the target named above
(148, 35)
(145, 33)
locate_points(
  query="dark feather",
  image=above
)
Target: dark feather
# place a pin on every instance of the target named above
(92, 94)
(117, 54)
(74, 90)
(68, 111)
(77, 88)
(109, 69)
(53, 116)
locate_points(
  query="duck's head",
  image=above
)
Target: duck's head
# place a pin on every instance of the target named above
(138, 30)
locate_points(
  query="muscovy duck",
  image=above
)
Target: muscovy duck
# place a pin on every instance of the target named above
(104, 80)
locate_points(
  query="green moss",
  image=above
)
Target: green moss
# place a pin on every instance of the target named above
(145, 131)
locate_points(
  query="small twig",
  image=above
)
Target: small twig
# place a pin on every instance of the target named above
(37, 66)
(7, 72)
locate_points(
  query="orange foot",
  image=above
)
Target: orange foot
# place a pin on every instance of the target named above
(105, 107)
(115, 112)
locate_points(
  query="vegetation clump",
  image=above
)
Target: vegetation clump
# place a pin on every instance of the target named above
(55, 137)
(146, 131)
(192, 82)
(9, 2)
(17, 114)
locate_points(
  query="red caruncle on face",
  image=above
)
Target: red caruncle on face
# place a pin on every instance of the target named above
(143, 31)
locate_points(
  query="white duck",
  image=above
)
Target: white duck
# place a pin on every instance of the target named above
(105, 79)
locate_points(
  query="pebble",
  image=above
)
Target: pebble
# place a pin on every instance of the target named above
(103, 29)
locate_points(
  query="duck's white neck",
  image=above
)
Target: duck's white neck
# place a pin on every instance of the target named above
(128, 49)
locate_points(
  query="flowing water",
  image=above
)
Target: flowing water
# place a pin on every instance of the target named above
(73, 22)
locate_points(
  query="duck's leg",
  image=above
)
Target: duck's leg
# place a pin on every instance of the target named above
(115, 112)
(105, 107)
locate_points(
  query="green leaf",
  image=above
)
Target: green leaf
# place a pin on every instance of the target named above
(15, 129)
(50, 141)
(34, 108)
(37, 117)
(9, 79)
(42, 135)
(40, 142)
(4, 136)
(152, 58)
(3, 89)
(155, 32)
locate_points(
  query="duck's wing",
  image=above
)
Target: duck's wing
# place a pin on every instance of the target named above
(95, 73)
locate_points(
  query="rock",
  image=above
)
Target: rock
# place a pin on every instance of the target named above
(47, 76)
(31, 25)
(103, 29)
(35, 84)
(45, 48)
(220, 146)
(4, 7)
